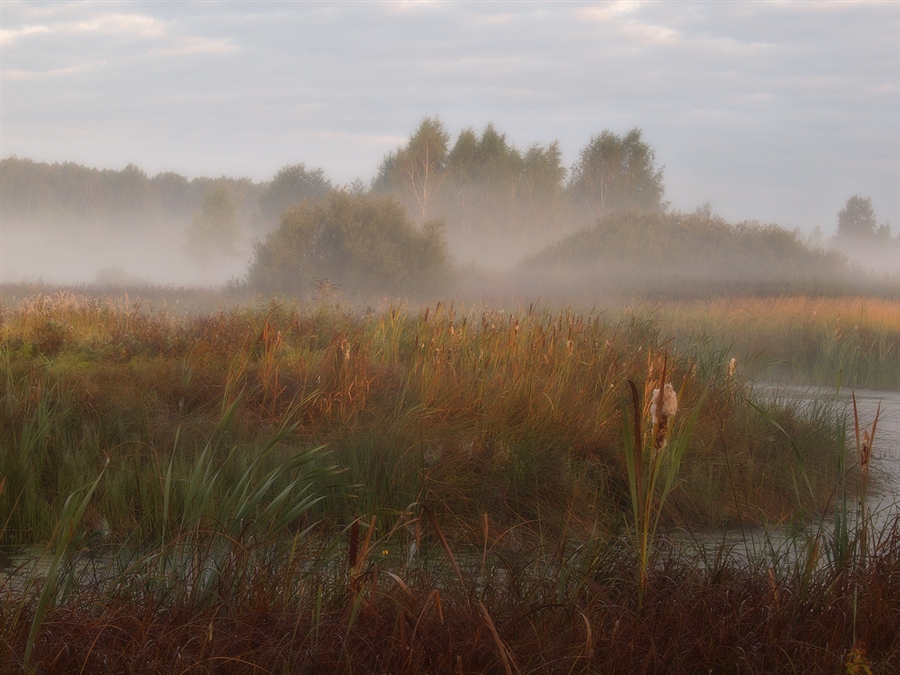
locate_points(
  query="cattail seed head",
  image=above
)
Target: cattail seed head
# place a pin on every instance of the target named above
(669, 404)
(662, 413)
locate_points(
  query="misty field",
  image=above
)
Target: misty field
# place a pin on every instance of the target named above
(279, 487)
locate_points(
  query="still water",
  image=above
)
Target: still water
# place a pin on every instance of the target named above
(886, 448)
(785, 543)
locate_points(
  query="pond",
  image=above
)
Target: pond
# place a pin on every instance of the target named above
(784, 543)
(886, 448)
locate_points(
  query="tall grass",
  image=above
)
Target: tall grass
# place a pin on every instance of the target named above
(854, 342)
(468, 410)
(506, 605)
(652, 463)
(304, 488)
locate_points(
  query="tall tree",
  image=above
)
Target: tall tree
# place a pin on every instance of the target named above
(615, 173)
(484, 173)
(541, 182)
(133, 198)
(290, 186)
(214, 232)
(415, 172)
(857, 219)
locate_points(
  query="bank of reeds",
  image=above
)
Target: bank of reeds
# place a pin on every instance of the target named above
(304, 489)
(849, 342)
(514, 414)
(504, 606)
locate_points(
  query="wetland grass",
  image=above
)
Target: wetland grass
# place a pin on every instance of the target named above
(850, 342)
(478, 518)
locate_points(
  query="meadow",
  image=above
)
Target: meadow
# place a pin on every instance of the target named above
(284, 486)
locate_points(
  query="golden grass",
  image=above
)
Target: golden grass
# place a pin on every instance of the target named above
(765, 315)
(484, 448)
(852, 342)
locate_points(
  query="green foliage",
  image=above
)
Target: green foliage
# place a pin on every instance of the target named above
(492, 196)
(541, 183)
(414, 173)
(479, 524)
(290, 186)
(617, 173)
(37, 193)
(214, 231)
(854, 341)
(69, 523)
(363, 243)
(686, 255)
(857, 218)
(867, 243)
(511, 414)
(652, 464)
(495, 188)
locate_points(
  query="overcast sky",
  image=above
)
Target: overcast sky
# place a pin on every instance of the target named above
(775, 111)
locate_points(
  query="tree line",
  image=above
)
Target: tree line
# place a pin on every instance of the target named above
(481, 182)
(39, 193)
(430, 200)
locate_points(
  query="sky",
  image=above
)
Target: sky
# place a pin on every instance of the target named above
(768, 111)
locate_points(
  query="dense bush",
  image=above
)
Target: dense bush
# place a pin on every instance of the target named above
(360, 242)
(687, 254)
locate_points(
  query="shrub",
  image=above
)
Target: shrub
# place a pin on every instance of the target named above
(360, 242)
(688, 255)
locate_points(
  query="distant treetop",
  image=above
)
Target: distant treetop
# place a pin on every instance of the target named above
(290, 186)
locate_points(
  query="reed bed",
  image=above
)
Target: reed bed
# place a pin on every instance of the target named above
(850, 342)
(285, 488)
(514, 414)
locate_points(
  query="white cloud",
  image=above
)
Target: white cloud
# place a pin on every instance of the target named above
(8, 36)
(14, 74)
(194, 45)
(132, 25)
(607, 11)
(118, 24)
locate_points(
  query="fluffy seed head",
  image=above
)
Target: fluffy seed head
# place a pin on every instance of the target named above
(662, 413)
(669, 404)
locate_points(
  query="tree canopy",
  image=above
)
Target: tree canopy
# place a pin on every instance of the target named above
(617, 173)
(674, 254)
(364, 243)
(493, 196)
(39, 193)
(290, 186)
(214, 230)
(414, 173)
(857, 219)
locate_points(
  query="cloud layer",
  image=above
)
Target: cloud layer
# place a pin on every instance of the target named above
(774, 111)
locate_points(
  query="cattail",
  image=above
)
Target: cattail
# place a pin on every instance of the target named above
(865, 450)
(662, 414)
